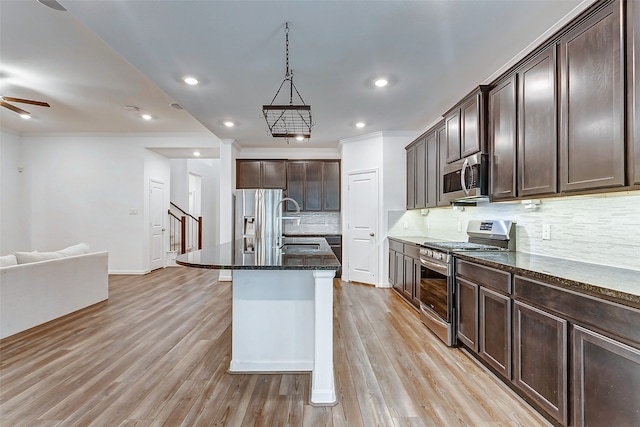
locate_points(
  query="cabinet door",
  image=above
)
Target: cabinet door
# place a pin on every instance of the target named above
(467, 302)
(431, 174)
(331, 186)
(633, 60)
(537, 126)
(392, 268)
(411, 177)
(502, 139)
(274, 174)
(313, 186)
(606, 379)
(540, 358)
(592, 102)
(441, 136)
(248, 174)
(407, 289)
(399, 272)
(495, 330)
(452, 126)
(415, 294)
(470, 127)
(295, 185)
(421, 174)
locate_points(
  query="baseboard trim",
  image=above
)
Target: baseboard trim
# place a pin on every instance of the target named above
(129, 272)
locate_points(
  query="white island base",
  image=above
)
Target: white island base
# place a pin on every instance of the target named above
(282, 321)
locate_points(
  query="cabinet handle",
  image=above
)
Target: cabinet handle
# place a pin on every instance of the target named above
(372, 234)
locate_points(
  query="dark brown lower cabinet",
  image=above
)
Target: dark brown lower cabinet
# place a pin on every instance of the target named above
(392, 268)
(409, 278)
(540, 358)
(495, 330)
(467, 304)
(399, 282)
(606, 381)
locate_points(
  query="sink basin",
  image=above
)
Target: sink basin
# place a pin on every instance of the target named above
(298, 246)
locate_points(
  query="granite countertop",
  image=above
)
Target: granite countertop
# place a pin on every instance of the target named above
(310, 253)
(311, 234)
(611, 283)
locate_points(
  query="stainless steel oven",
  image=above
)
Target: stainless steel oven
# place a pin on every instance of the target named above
(437, 275)
(436, 299)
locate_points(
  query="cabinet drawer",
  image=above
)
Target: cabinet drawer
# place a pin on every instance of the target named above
(412, 251)
(485, 276)
(396, 246)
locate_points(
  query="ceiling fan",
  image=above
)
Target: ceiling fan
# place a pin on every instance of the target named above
(4, 101)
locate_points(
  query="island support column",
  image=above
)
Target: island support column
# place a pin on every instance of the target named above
(323, 391)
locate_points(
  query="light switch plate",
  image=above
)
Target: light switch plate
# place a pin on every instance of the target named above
(546, 231)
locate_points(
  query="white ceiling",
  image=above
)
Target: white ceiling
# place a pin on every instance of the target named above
(100, 56)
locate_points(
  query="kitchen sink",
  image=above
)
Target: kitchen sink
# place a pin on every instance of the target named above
(299, 246)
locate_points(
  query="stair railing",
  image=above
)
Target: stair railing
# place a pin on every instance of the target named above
(185, 230)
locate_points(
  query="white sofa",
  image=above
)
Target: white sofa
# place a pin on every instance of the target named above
(35, 292)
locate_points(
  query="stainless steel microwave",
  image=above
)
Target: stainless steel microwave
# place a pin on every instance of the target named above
(466, 180)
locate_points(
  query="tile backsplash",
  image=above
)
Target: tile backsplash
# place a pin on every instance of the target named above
(600, 229)
(313, 223)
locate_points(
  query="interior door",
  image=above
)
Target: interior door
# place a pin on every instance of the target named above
(363, 226)
(156, 217)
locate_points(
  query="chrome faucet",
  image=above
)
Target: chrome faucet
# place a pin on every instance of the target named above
(278, 218)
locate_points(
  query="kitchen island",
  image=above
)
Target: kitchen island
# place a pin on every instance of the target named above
(282, 307)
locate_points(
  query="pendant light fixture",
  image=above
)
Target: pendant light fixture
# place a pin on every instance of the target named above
(292, 120)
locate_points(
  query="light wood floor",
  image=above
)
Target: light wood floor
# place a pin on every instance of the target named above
(157, 354)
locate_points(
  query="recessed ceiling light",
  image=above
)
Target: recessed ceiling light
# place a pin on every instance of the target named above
(196, 153)
(299, 138)
(360, 124)
(381, 82)
(190, 80)
(146, 116)
(25, 116)
(229, 124)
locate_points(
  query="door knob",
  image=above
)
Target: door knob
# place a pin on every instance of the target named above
(372, 234)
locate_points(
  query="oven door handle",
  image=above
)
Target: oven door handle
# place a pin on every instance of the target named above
(439, 268)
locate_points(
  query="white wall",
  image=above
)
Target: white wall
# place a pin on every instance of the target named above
(384, 153)
(600, 229)
(14, 226)
(82, 188)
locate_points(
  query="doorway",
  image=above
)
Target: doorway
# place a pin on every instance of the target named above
(362, 217)
(157, 213)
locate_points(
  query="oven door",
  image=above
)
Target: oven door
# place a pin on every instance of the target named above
(435, 299)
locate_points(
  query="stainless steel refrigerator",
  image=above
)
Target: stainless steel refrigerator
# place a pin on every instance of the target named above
(256, 220)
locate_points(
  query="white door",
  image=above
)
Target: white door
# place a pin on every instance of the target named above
(157, 213)
(362, 202)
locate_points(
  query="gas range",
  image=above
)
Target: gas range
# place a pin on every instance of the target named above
(437, 271)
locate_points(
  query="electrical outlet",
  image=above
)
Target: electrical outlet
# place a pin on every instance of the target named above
(459, 226)
(133, 211)
(546, 232)
(406, 225)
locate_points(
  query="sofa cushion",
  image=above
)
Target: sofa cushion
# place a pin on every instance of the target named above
(79, 249)
(35, 256)
(7, 260)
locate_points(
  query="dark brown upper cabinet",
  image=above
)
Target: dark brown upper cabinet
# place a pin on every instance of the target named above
(431, 174)
(502, 139)
(633, 108)
(411, 177)
(261, 174)
(314, 184)
(331, 186)
(423, 170)
(465, 125)
(441, 142)
(591, 64)
(523, 129)
(537, 125)
(416, 174)
(452, 135)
